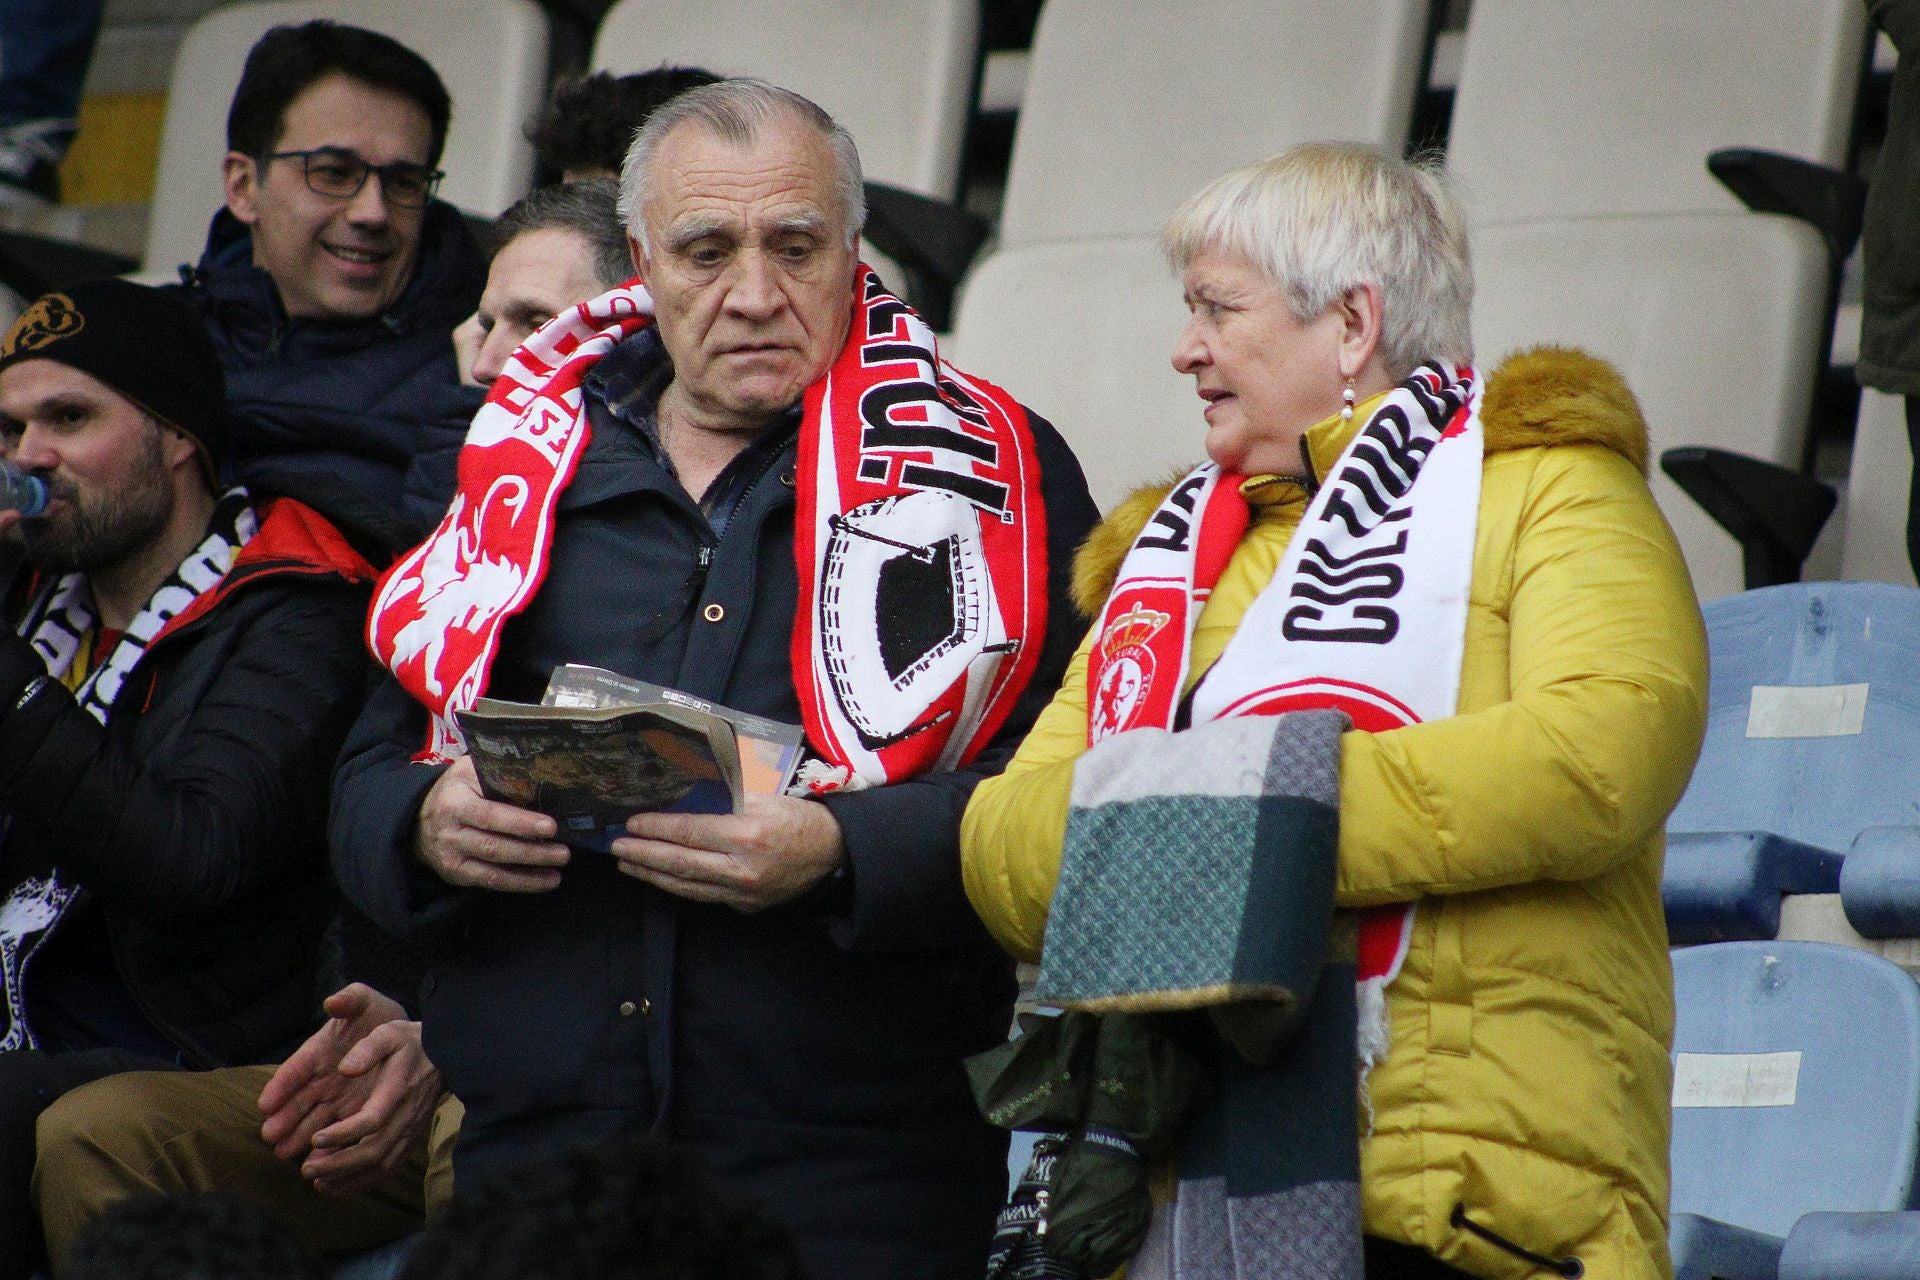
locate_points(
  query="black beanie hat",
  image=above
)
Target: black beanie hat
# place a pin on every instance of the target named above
(145, 343)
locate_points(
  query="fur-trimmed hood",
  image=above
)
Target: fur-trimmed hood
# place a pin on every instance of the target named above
(1557, 395)
(1542, 396)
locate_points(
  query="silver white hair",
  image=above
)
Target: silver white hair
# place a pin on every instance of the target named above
(738, 111)
(1325, 217)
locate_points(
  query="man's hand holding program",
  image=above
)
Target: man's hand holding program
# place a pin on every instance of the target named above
(467, 839)
(773, 850)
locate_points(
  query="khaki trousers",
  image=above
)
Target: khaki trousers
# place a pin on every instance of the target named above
(169, 1131)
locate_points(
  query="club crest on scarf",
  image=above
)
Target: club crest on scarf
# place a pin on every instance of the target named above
(1127, 669)
(1138, 667)
(920, 541)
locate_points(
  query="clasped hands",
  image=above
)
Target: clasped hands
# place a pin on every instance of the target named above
(353, 1098)
(773, 850)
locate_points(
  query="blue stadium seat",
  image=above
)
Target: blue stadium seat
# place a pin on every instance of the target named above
(1812, 751)
(1796, 1090)
(1853, 1246)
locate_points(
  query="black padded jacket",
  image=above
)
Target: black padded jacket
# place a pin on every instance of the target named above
(195, 817)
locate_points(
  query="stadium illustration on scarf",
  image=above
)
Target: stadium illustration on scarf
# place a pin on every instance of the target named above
(920, 542)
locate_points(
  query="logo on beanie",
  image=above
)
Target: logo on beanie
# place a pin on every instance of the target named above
(50, 319)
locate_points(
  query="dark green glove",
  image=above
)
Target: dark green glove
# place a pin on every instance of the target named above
(1121, 1088)
(1143, 1087)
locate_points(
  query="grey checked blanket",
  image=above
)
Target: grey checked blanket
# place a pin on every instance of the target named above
(1198, 875)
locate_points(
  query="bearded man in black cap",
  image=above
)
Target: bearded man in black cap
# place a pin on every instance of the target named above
(177, 670)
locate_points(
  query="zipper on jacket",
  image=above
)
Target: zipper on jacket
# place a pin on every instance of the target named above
(739, 504)
(1570, 1267)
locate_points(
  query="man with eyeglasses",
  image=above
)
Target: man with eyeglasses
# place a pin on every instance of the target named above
(332, 280)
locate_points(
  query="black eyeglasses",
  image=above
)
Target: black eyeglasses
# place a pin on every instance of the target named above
(339, 174)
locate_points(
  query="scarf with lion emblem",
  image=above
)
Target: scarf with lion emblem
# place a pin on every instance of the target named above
(920, 541)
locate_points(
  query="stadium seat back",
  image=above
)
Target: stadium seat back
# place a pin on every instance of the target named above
(1712, 318)
(1083, 332)
(1620, 115)
(1796, 1082)
(1813, 713)
(491, 54)
(1584, 175)
(899, 74)
(1131, 108)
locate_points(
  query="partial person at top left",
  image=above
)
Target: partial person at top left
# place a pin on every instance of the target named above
(43, 65)
(332, 281)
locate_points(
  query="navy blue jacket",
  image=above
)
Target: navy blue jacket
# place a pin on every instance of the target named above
(359, 419)
(810, 1052)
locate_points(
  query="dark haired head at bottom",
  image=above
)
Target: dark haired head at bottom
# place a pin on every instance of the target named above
(203, 1236)
(632, 1210)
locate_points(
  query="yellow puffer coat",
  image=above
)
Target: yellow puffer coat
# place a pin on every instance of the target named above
(1527, 1081)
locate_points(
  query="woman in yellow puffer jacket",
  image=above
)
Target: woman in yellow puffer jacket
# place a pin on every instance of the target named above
(1521, 1106)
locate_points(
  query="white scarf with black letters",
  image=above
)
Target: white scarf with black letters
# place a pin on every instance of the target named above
(1366, 614)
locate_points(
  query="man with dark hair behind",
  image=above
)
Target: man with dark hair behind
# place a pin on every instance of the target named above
(191, 1237)
(557, 246)
(584, 130)
(178, 667)
(332, 279)
(632, 1210)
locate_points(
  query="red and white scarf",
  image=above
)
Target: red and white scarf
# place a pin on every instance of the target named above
(920, 541)
(1366, 613)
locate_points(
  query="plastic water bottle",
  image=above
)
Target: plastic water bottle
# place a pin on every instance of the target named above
(21, 492)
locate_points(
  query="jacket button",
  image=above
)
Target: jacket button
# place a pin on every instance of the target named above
(786, 477)
(646, 1006)
(713, 613)
(627, 1008)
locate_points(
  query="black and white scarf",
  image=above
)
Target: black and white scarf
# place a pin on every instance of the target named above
(57, 624)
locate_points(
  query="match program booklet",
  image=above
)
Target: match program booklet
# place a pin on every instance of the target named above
(601, 747)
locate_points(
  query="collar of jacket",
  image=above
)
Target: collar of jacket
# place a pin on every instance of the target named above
(292, 538)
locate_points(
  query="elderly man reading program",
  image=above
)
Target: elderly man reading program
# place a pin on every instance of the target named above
(753, 480)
